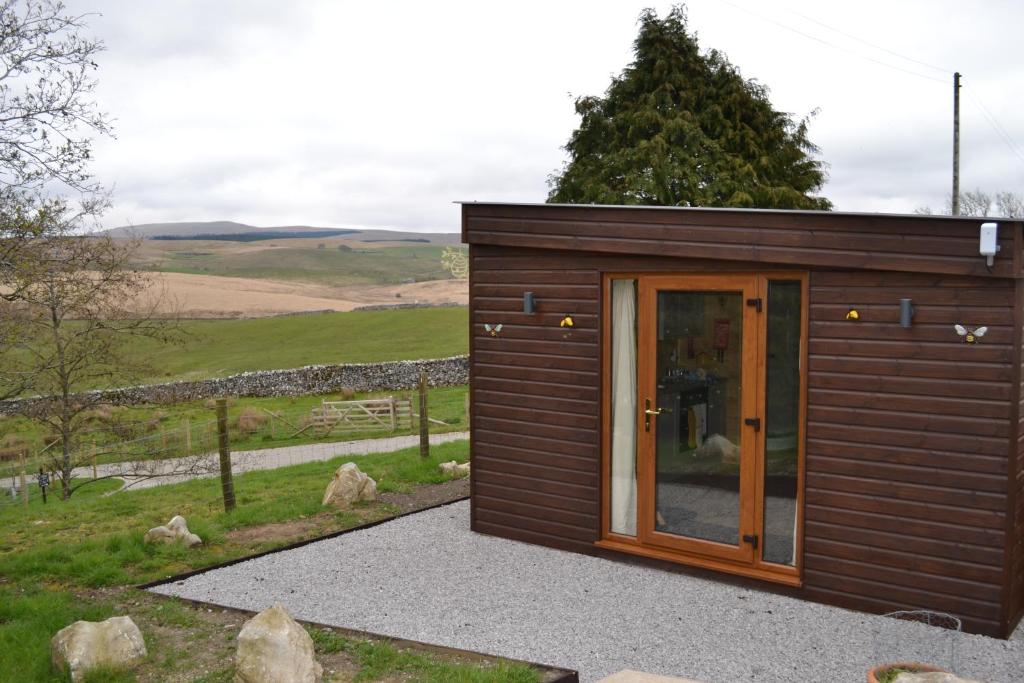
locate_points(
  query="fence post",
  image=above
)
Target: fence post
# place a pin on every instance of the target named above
(227, 485)
(468, 426)
(92, 453)
(424, 421)
(24, 480)
(187, 426)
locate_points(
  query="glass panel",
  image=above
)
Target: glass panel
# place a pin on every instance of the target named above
(700, 351)
(623, 408)
(782, 421)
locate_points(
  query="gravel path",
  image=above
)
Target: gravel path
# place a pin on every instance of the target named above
(426, 577)
(265, 459)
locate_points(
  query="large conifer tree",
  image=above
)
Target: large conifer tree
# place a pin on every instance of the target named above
(681, 128)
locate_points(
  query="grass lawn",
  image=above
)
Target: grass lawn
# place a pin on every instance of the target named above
(217, 348)
(159, 431)
(77, 559)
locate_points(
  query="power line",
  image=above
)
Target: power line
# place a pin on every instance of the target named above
(870, 44)
(996, 126)
(833, 45)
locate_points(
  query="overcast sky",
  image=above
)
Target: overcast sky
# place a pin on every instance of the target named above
(336, 113)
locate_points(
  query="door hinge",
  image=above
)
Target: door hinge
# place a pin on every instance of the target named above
(751, 539)
(756, 303)
(754, 422)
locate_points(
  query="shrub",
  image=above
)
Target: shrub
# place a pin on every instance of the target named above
(251, 419)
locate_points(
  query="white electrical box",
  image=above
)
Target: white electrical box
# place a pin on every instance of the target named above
(989, 237)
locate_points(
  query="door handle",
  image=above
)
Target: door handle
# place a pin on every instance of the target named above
(647, 414)
(648, 411)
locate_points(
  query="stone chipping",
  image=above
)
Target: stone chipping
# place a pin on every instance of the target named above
(427, 577)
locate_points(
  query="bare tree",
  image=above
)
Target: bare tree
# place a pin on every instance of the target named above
(80, 308)
(978, 203)
(47, 110)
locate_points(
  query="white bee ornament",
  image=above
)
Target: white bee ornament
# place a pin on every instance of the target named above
(493, 329)
(970, 334)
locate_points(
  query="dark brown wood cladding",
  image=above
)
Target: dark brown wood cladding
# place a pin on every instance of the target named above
(911, 500)
(823, 239)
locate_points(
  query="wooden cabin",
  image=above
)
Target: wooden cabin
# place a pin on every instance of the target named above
(823, 404)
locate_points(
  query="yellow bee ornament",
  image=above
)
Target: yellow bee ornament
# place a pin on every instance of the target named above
(970, 334)
(566, 321)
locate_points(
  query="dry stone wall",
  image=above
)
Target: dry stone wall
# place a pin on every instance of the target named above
(312, 379)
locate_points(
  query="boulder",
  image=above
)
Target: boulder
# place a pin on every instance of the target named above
(454, 469)
(273, 648)
(931, 677)
(348, 486)
(172, 532)
(116, 642)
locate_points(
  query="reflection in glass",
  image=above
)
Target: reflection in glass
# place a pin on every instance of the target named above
(699, 356)
(782, 415)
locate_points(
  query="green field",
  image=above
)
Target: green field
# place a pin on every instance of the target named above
(217, 348)
(305, 263)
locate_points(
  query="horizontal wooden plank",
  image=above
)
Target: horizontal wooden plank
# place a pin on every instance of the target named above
(874, 279)
(924, 314)
(920, 295)
(893, 490)
(878, 517)
(483, 433)
(845, 329)
(510, 316)
(583, 393)
(882, 416)
(538, 332)
(503, 492)
(556, 488)
(484, 273)
(832, 574)
(558, 433)
(751, 253)
(486, 526)
(998, 391)
(901, 366)
(545, 306)
(925, 474)
(521, 508)
(512, 451)
(897, 509)
(502, 371)
(906, 569)
(536, 524)
(551, 472)
(542, 293)
(539, 402)
(991, 558)
(511, 357)
(503, 343)
(949, 350)
(870, 436)
(534, 415)
(979, 407)
(954, 461)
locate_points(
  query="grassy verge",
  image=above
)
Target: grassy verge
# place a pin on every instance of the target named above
(75, 560)
(141, 432)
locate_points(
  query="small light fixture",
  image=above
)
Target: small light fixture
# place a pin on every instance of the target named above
(529, 303)
(906, 313)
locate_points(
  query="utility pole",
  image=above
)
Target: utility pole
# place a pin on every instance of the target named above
(956, 143)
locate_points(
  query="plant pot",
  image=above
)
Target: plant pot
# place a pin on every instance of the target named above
(916, 667)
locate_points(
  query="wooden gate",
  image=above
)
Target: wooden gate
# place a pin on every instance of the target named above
(375, 414)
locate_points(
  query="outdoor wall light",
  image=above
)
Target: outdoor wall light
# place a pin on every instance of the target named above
(906, 312)
(529, 303)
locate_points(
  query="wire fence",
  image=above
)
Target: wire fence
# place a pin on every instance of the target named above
(164, 447)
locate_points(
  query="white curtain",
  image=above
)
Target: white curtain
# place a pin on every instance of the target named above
(623, 490)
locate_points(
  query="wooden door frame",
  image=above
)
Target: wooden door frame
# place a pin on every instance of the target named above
(784, 574)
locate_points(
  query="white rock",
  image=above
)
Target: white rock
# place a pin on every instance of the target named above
(350, 485)
(87, 644)
(173, 531)
(931, 677)
(273, 648)
(454, 469)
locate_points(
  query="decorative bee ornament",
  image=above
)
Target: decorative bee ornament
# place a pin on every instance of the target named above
(493, 329)
(970, 334)
(566, 321)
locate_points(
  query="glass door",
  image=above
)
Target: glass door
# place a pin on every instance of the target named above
(697, 404)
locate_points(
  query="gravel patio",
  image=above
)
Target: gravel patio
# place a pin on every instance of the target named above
(427, 577)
